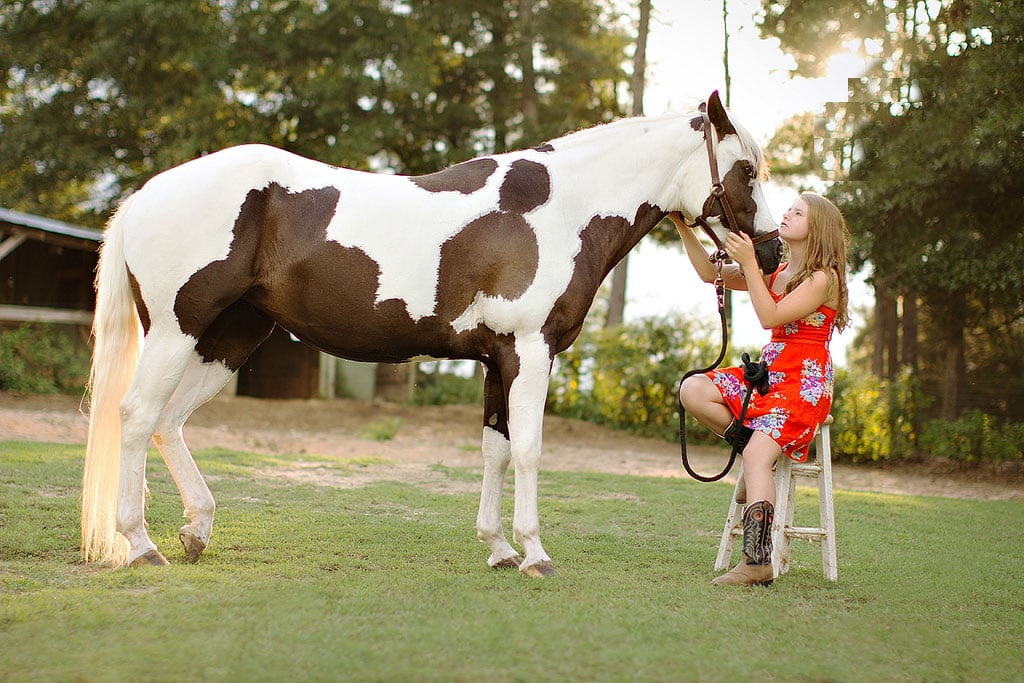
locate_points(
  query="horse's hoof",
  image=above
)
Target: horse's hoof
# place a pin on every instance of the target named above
(539, 570)
(508, 563)
(193, 546)
(152, 558)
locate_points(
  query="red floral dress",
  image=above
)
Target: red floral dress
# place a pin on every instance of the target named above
(801, 376)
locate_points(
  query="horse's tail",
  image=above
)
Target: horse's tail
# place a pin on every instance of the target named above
(115, 357)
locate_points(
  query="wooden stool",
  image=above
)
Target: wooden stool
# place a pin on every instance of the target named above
(783, 530)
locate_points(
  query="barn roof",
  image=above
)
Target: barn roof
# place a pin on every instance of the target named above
(49, 230)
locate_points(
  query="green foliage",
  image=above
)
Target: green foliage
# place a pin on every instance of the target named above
(627, 377)
(383, 430)
(39, 359)
(873, 417)
(386, 582)
(928, 148)
(96, 97)
(444, 388)
(975, 436)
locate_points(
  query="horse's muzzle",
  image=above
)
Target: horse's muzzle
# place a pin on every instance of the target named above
(769, 255)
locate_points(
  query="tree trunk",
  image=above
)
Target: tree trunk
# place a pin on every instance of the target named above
(529, 102)
(617, 296)
(954, 367)
(884, 361)
(910, 354)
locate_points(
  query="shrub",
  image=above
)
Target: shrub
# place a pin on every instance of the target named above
(974, 436)
(39, 359)
(436, 385)
(874, 418)
(627, 377)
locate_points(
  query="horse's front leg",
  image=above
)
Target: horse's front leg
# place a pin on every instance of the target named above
(526, 418)
(497, 452)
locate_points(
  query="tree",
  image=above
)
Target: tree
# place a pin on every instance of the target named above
(99, 96)
(930, 174)
(617, 296)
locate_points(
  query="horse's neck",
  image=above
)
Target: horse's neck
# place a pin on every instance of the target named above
(632, 162)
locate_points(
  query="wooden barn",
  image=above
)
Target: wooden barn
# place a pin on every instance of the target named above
(46, 275)
(46, 270)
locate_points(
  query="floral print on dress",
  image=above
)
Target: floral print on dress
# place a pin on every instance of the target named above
(770, 423)
(816, 319)
(728, 385)
(771, 351)
(813, 382)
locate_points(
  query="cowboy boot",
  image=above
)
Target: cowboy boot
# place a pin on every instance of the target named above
(755, 569)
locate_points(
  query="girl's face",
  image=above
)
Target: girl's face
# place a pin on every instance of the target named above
(794, 222)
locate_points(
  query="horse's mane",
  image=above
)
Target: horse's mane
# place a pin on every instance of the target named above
(624, 125)
(618, 126)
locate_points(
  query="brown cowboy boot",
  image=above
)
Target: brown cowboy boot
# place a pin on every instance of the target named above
(755, 569)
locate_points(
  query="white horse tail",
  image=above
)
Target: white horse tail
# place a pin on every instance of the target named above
(115, 356)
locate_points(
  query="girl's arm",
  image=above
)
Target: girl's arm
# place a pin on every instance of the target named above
(798, 304)
(732, 276)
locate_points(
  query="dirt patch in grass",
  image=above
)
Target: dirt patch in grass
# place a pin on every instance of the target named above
(428, 438)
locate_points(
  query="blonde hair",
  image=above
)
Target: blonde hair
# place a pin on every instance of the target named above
(827, 239)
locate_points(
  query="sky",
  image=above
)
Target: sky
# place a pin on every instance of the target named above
(684, 64)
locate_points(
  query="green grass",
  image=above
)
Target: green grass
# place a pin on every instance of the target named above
(383, 430)
(387, 583)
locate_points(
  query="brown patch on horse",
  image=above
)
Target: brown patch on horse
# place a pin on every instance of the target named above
(602, 247)
(467, 177)
(526, 186)
(740, 192)
(208, 305)
(234, 335)
(497, 254)
(502, 367)
(140, 304)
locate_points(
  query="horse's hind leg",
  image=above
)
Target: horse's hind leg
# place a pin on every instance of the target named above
(161, 365)
(497, 453)
(220, 352)
(200, 382)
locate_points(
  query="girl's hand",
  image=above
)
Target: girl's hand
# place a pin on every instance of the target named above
(740, 249)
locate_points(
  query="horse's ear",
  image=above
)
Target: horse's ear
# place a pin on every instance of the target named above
(719, 117)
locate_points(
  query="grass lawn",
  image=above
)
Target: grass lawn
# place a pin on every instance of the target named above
(387, 583)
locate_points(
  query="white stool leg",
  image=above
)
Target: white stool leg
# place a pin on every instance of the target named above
(733, 520)
(785, 490)
(826, 509)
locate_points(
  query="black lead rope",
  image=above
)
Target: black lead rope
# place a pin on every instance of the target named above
(754, 374)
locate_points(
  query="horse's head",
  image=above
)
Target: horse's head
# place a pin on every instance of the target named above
(736, 200)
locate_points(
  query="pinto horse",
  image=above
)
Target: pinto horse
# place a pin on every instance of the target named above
(496, 259)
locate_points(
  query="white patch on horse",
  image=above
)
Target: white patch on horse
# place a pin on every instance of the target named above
(409, 232)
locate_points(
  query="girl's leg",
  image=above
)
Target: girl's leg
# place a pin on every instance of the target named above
(755, 568)
(702, 399)
(759, 458)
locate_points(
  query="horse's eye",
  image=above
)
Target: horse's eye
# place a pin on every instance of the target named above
(749, 169)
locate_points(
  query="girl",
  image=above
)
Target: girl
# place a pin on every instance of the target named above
(801, 303)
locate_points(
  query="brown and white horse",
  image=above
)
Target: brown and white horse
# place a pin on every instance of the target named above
(496, 259)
